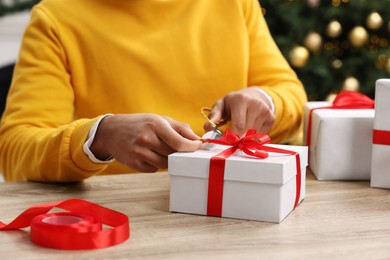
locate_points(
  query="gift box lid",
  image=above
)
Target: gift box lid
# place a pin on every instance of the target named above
(338, 113)
(278, 168)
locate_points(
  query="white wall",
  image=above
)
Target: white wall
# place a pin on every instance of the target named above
(11, 31)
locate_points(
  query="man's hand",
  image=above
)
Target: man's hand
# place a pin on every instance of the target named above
(246, 108)
(142, 141)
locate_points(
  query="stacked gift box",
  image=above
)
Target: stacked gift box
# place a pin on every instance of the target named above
(349, 138)
(339, 137)
(380, 165)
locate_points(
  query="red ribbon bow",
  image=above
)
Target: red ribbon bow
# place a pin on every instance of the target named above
(345, 100)
(252, 143)
(79, 228)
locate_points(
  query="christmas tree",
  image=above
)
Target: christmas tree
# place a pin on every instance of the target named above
(13, 6)
(333, 44)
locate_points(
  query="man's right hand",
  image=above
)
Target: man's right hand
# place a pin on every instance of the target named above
(142, 141)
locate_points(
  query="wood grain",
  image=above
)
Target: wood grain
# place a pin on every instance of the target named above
(337, 220)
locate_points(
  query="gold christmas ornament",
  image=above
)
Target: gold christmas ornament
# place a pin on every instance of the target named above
(299, 55)
(334, 29)
(374, 21)
(382, 62)
(358, 36)
(313, 3)
(331, 97)
(337, 64)
(313, 42)
(351, 83)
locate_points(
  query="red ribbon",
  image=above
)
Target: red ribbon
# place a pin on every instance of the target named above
(251, 143)
(381, 137)
(79, 228)
(345, 100)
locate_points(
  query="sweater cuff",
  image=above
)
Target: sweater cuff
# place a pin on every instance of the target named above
(271, 101)
(88, 143)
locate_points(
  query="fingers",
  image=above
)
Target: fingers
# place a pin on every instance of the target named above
(264, 123)
(182, 129)
(148, 160)
(248, 108)
(150, 141)
(144, 141)
(239, 114)
(178, 136)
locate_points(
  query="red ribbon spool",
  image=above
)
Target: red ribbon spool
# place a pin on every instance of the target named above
(79, 228)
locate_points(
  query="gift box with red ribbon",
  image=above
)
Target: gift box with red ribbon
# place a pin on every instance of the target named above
(243, 178)
(339, 137)
(380, 166)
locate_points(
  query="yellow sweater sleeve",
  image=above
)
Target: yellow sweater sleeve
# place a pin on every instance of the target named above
(38, 140)
(269, 70)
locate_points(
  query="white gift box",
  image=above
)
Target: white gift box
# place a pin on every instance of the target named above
(380, 167)
(254, 188)
(341, 142)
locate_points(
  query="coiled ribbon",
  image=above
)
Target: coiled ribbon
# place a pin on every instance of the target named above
(81, 227)
(345, 100)
(252, 143)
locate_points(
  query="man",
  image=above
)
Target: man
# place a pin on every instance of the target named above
(114, 86)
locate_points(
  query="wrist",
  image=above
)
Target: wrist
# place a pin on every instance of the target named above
(98, 146)
(95, 145)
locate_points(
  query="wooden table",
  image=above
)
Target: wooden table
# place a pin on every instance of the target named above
(337, 220)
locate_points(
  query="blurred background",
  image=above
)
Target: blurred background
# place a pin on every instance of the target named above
(331, 44)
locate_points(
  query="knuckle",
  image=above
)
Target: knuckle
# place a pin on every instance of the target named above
(186, 125)
(142, 140)
(237, 96)
(240, 126)
(152, 120)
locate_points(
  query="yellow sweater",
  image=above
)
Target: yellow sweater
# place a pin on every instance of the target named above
(81, 59)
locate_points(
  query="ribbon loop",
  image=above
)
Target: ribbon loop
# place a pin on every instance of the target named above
(251, 143)
(352, 99)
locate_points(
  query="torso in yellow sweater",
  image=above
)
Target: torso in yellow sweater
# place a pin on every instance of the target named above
(81, 59)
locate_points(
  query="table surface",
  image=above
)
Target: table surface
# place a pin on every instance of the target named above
(337, 219)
